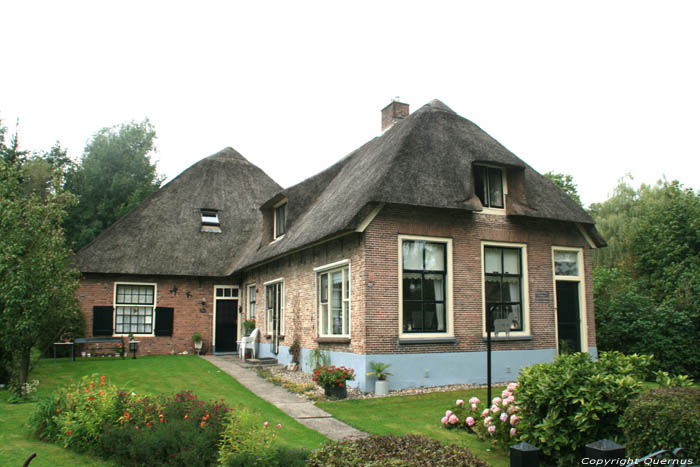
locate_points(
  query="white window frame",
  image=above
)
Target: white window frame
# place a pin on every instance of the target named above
(581, 279)
(274, 219)
(328, 269)
(248, 302)
(504, 177)
(524, 283)
(449, 308)
(115, 305)
(268, 320)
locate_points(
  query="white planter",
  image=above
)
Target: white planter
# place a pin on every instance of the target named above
(381, 388)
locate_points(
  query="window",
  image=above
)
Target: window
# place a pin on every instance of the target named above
(224, 291)
(424, 280)
(134, 305)
(488, 185)
(252, 292)
(274, 308)
(210, 221)
(334, 302)
(566, 263)
(280, 220)
(503, 290)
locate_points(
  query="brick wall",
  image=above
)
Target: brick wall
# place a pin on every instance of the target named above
(98, 290)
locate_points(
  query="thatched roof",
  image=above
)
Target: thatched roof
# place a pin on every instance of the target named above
(163, 234)
(424, 160)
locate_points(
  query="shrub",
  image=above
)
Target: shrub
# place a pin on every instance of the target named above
(173, 430)
(676, 381)
(576, 400)
(404, 451)
(247, 440)
(333, 377)
(664, 418)
(496, 421)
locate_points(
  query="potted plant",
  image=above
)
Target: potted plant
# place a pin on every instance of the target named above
(248, 326)
(197, 340)
(381, 386)
(334, 379)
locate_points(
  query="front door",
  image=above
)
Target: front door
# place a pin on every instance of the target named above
(568, 316)
(226, 325)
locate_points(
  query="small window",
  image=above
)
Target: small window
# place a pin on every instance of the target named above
(334, 302)
(566, 263)
(488, 185)
(280, 220)
(210, 217)
(226, 292)
(252, 292)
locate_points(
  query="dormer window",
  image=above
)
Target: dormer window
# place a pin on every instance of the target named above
(210, 221)
(280, 227)
(488, 185)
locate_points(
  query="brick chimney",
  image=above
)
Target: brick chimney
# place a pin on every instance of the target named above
(392, 113)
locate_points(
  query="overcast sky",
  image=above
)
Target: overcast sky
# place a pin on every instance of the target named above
(592, 89)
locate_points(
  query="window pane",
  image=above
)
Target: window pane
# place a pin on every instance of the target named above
(324, 319)
(566, 263)
(511, 289)
(511, 261)
(430, 322)
(337, 302)
(492, 260)
(346, 276)
(346, 317)
(219, 292)
(493, 289)
(435, 256)
(495, 188)
(227, 292)
(515, 316)
(413, 255)
(441, 317)
(480, 183)
(412, 317)
(412, 286)
(324, 288)
(433, 287)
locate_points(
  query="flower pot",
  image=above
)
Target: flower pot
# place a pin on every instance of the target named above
(381, 388)
(337, 392)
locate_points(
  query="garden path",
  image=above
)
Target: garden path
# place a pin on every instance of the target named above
(297, 407)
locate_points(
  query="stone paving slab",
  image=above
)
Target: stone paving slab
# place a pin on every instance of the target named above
(301, 409)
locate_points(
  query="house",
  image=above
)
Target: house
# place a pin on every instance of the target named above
(400, 252)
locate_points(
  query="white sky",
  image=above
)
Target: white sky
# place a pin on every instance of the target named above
(592, 89)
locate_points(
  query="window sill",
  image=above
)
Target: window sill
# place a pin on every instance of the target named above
(507, 338)
(333, 340)
(427, 340)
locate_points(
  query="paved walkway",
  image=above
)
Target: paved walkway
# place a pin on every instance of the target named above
(301, 409)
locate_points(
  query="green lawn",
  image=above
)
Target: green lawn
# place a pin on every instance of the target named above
(418, 414)
(146, 375)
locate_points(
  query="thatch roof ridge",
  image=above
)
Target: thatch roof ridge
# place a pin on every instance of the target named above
(162, 235)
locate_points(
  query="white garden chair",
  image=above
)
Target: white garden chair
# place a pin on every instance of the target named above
(249, 342)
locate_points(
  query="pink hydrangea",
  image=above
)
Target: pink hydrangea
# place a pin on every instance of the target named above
(495, 409)
(474, 407)
(504, 417)
(514, 420)
(505, 394)
(444, 420)
(453, 419)
(510, 399)
(448, 413)
(484, 413)
(513, 432)
(512, 409)
(474, 400)
(505, 403)
(487, 421)
(496, 400)
(512, 387)
(459, 402)
(470, 421)
(492, 428)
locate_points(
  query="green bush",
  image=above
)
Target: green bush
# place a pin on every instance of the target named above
(404, 451)
(664, 418)
(575, 400)
(280, 457)
(246, 440)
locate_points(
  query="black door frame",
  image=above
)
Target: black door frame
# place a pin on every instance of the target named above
(580, 280)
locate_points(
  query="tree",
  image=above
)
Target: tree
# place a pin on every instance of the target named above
(37, 280)
(114, 174)
(566, 183)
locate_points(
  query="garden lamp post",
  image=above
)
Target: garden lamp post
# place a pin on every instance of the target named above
(133, 347)
(489, 326)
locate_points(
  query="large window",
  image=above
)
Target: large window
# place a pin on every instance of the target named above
(504, 288)
(134, 305)
(424, 279)
(334, 302)
(280, 220)
(488, 185)
(252, 292)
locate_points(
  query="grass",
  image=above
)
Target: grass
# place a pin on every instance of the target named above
(146, 375)
(419, 414)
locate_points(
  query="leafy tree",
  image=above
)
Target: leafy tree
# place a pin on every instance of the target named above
(37, 281)
(613, 220)
(11, 153)
(566, 183)
(114, 174)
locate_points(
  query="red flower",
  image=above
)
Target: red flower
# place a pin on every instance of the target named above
(340, 385)
(69, 432)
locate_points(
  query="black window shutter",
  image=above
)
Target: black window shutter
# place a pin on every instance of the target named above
(164, 321)
(102, 319)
